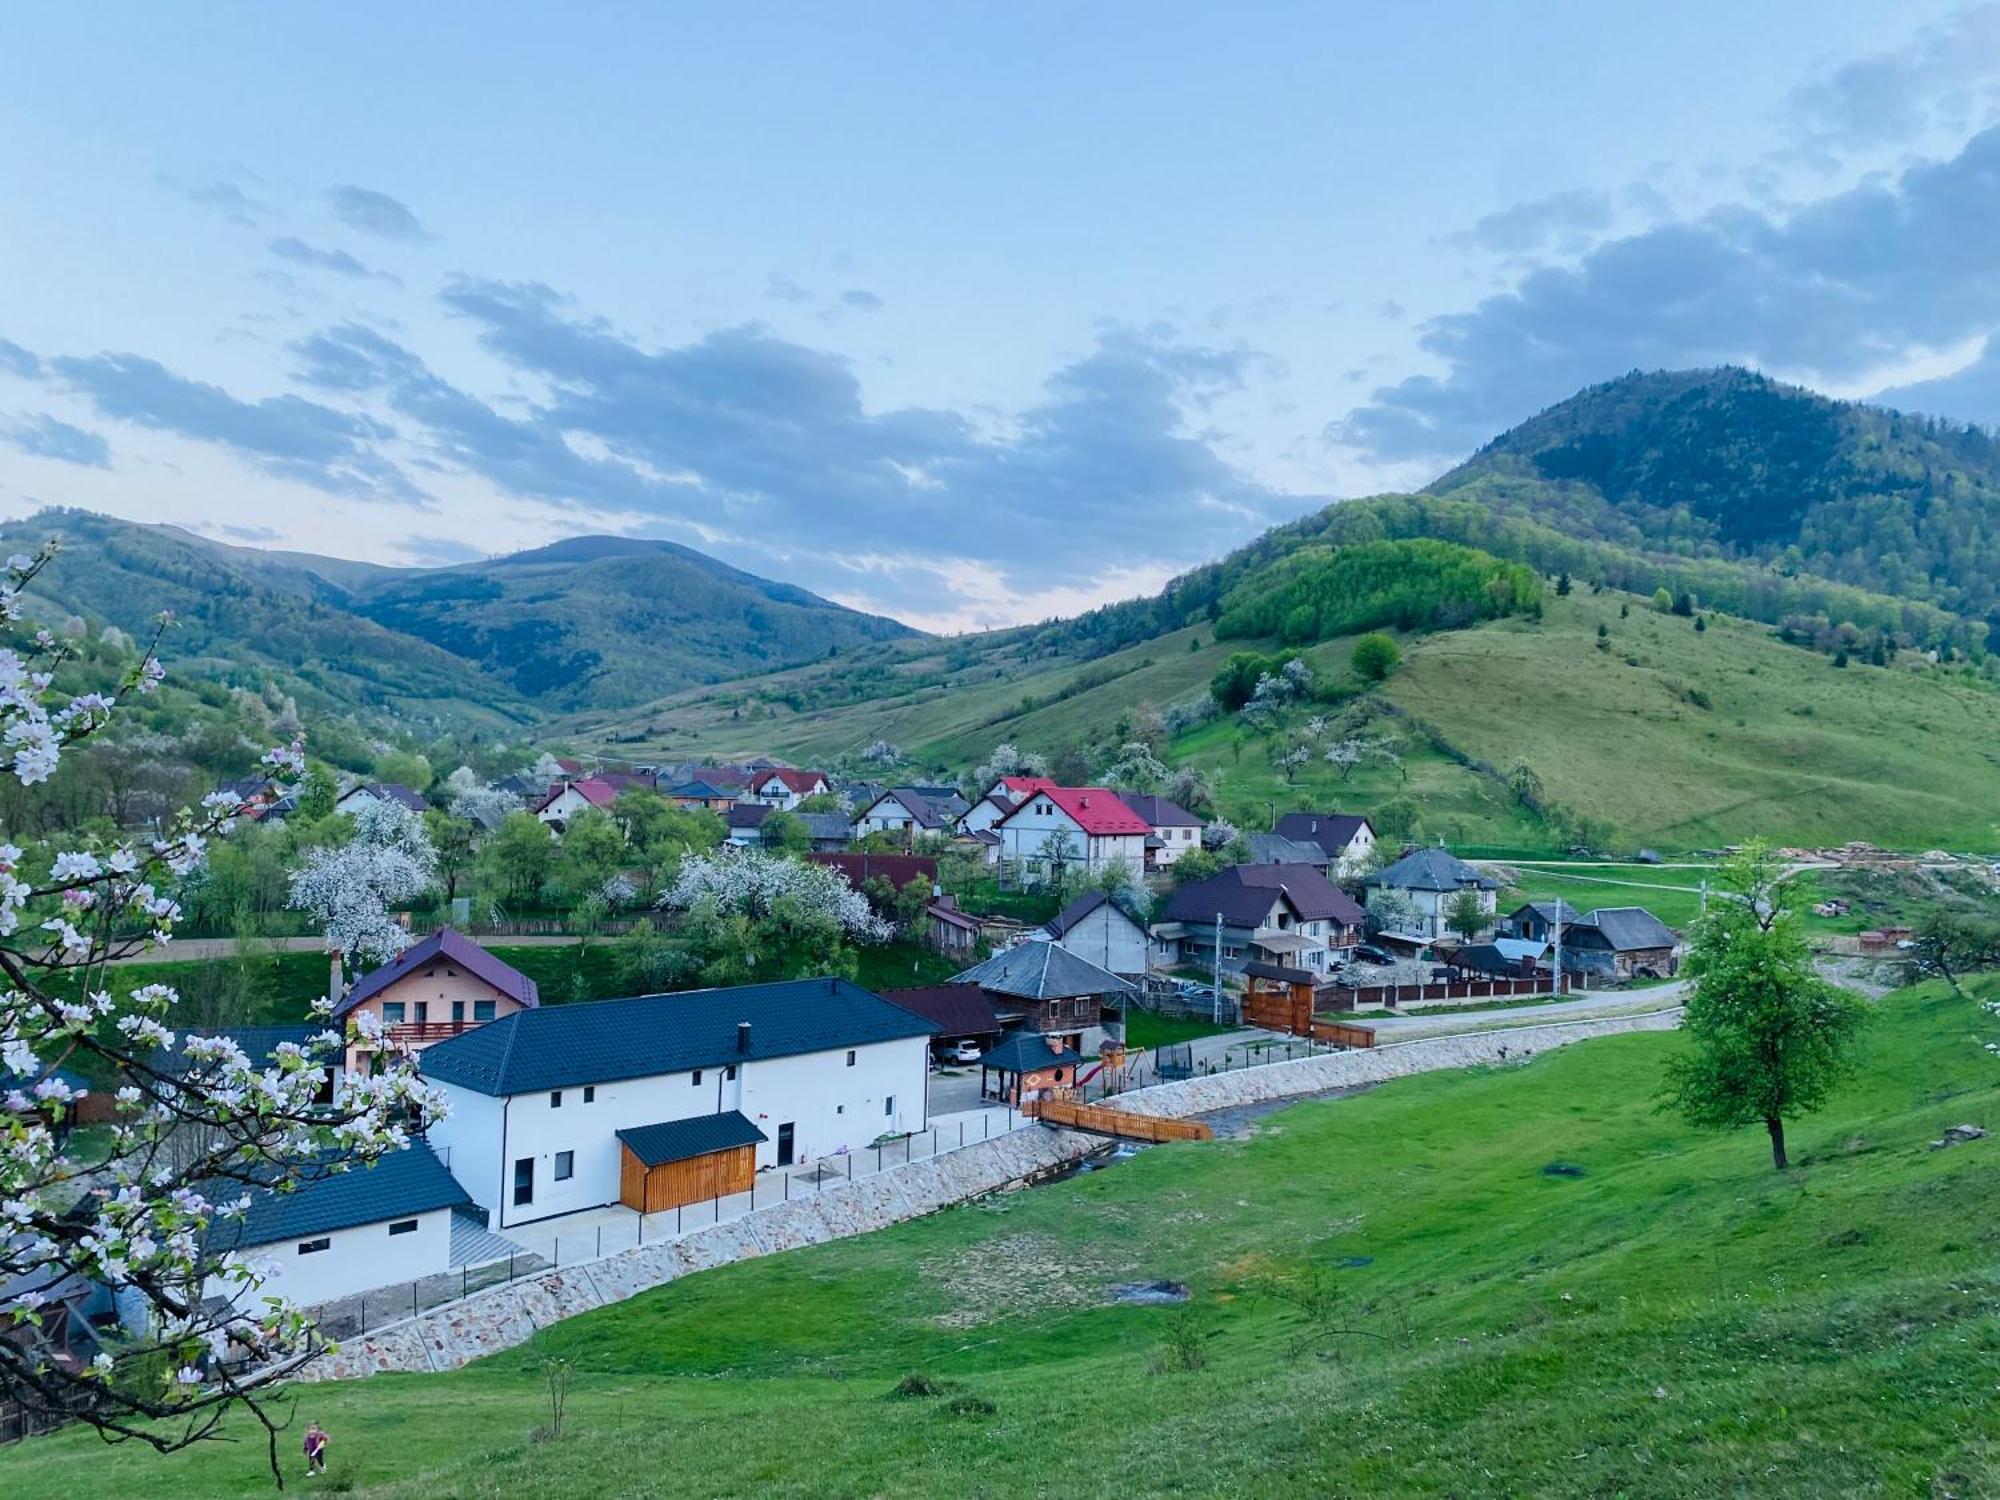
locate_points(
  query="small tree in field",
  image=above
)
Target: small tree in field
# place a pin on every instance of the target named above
(1375, 656)
(1769, 1040)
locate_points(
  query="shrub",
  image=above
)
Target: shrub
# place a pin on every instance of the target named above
(1375, 656)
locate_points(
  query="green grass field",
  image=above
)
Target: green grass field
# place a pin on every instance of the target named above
(1674, 896)
(1144, 1029)
(1391, 1294)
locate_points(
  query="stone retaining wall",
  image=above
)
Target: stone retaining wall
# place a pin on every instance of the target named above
(1336, 1070)
(502, 1317)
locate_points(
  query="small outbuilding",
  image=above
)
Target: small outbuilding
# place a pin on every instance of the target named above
(1025, 1065)
(685, 1161)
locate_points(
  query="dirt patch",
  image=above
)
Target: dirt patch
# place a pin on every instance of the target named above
(1012, 1274)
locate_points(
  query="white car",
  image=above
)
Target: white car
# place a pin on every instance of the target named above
(964, 1052)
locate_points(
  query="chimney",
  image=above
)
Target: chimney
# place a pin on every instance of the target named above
(742, 1036)
(334, 981)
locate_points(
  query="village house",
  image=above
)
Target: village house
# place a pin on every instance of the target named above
(1276, 849)
(1072, 827)
(538, 1099)
(700, 796)
(1621, 942)
(830, 832)
(357, 797)
(1537, 921)
(910, 810)
(1097, 928)
(959, 1012)
(337, 1233)
(1421, 886)
(785, 788)
(434, 989)
(1175, 830)
(745, 821)
(1043, 988)
(1347, 839)
(1291, 916)
(998, 800)
(568, 800)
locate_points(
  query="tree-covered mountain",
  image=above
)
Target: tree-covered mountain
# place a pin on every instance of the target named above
(1728, 463)
(589, 622)
(604, 621)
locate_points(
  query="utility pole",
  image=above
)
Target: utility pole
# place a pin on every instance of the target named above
(1557, 926)
(1215, 1010)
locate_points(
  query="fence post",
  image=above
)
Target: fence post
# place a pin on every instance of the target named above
(788, 1187)
(413, 1299)
(961, 1134)
(600, 1242)
(718, 1208)
(465, 1281)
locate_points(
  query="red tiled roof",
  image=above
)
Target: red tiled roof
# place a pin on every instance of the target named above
(801, 782)
(597, 793)
(1096, 810)
(1020, 784)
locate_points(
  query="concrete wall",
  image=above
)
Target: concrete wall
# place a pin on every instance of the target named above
(355, 1260)
(502, 1317)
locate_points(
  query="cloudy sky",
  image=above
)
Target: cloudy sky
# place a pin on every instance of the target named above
(965, 314)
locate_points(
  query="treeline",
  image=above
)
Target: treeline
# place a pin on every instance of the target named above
(1319, 592)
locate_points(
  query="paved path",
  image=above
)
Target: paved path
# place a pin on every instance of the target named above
(1600, 1003)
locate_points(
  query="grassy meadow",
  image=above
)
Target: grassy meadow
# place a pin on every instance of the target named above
(1522, 1280)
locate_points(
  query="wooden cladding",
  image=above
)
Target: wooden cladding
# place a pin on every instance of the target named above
(1101, 1120)
(653, 1190)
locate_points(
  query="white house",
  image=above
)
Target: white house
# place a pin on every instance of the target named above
(796, 1070)
(1419, 889)
(782, 787)
(357, 797)
(1076, 826)
(910, 809)
(1290, 915)
(351, 1231)
(567, 800)
(1347, 839)
(1097, 929)
(998, 800)
(1175, 830)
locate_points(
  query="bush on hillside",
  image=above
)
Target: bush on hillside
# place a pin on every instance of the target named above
(1375, 656)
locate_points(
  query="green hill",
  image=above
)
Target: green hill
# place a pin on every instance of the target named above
(1391, 1294)
(499, 644)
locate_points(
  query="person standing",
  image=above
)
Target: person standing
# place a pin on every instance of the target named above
(315, 1449)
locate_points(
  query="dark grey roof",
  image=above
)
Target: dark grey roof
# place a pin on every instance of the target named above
(825, 827)
(928, 806)
(1432, 870)
(1276, 849)
(1486, 958)
(604, 1040)
(1557, 910)
(400, 1185)
(1244, 895)
(1331, 831)
(1160, 812)
(677, 1140)
(390, 791)
(747, 814)
(1627, 928)
(1028, 1052)
(1042, 971)
(955, 1009)
(1060, 924)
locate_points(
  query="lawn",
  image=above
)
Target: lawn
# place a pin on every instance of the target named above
(1503, 1281)
(1144, 1029)
(1674, 896)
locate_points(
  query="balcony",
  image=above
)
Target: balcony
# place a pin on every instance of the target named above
(423, 1033)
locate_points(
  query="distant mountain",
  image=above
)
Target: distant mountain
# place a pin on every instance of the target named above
(1727, 463)
(593, 622)
(603, 621)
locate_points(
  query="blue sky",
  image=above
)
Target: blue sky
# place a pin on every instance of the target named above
(967, 314)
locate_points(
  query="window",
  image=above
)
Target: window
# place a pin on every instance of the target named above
(482, 1010)
(590, 1093)
(524, 1181)
(889, 1104)
(555, 1098)
(392, 1013)
(729, 1073)
(403, 1226)
(850, 1057)
(695, 1078)
(313, 1247)
(565, 1165)
(423, 1011)
(840, 1109)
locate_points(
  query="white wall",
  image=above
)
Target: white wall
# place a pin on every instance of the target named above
(830, 1104)
(1109, 940)
(355, 1260)
(887, 815)
(1024, 835)
(570, 804)
(467, 1141)
(981, 816)
(1174, 842)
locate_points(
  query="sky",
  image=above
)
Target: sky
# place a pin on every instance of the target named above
(969, 314)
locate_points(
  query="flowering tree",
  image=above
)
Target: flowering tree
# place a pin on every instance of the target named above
(1136, 767)
(882, 753)
(349, 890)
(1007, 760)
(758, 885)
(757, 916)
(141, 1207)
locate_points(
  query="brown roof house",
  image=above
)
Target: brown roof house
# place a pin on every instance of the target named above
(437, 988)
(1288, 915)
(1041, 987)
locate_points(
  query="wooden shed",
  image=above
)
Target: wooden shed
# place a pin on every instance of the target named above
(685, 1161)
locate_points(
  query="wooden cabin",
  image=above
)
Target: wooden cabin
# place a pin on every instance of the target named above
(687, 1161)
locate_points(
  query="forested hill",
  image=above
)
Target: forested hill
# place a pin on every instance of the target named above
(592, 622)
(1729, 463)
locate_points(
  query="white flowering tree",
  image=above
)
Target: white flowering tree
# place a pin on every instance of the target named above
(350, 889)
(1135, 768)
(755, 916)
(141, 1206)
(1007, 760)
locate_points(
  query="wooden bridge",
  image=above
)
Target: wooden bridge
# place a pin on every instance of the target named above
(1101, 1119)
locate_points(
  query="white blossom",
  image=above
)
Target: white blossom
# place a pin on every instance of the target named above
(754, 882)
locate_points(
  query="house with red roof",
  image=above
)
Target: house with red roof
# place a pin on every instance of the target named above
(436, 988)
(783, 787)
(998, 800)
(1089, 827)
(567, 800)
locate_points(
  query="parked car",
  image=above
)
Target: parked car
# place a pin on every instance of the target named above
(1368, 953)
(963, 1052)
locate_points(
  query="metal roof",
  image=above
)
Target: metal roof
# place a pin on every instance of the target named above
(1432, 870)
(1028, 1052)
(678, 1140)
(1041, 971)
(324, 1198)
(446, 945)
(560, 1046)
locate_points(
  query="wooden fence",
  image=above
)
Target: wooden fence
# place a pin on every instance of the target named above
(1066, 1107)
